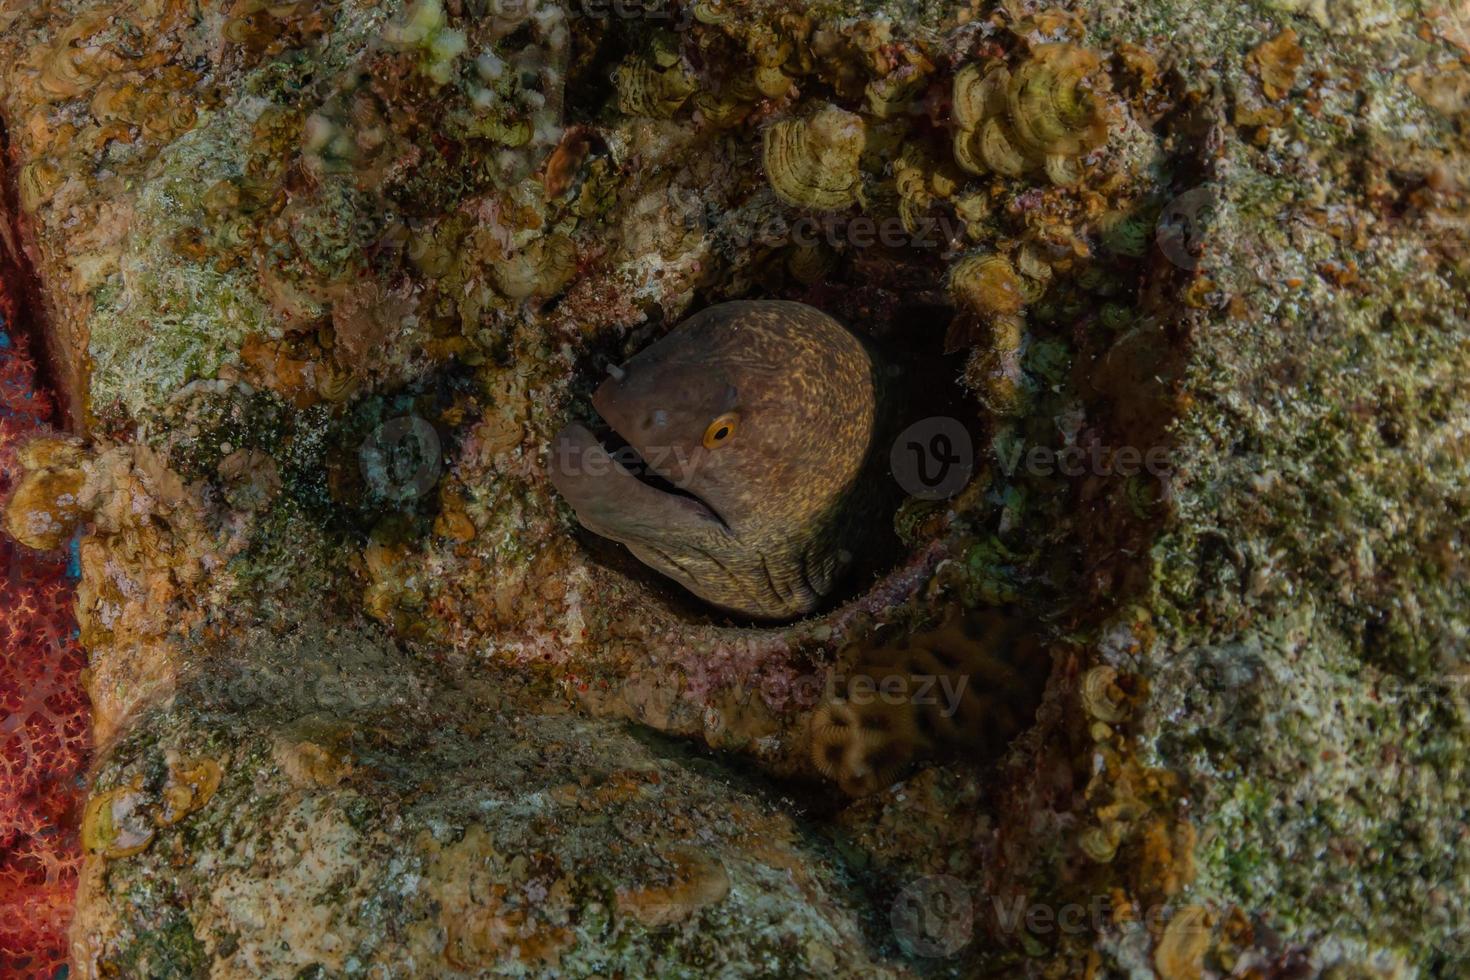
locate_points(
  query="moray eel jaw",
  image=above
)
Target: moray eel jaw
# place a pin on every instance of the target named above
(611, 501)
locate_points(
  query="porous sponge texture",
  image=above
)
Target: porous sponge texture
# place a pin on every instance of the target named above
(963, 689)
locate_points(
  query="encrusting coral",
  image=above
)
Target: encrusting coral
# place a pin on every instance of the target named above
(812, 163)
(1045, 114)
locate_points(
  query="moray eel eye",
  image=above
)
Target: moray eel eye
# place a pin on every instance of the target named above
(720, 431)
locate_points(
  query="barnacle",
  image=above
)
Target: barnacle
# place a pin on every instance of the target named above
(190, 786)
(813, 163)
(1044, 115)
(115, 823)
(986, 283)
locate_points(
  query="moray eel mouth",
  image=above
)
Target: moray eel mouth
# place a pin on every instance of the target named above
(619, 494)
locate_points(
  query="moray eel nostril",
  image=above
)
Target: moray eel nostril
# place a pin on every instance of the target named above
(734, 451)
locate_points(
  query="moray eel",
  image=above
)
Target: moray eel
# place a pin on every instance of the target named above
(737, 443)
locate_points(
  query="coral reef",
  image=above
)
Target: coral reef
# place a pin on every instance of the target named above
(322, 281)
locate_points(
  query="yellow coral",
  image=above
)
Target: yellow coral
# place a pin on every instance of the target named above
(39, 180)
(699, 880)
(987, 283)
(998, 381)
(1101, 697)
(647, 90)
(809, 263)
(46, 507)
(1044, 115)
(1181, 951)
(70, 68)
(894, 94)
(814, 163)
(541, 268)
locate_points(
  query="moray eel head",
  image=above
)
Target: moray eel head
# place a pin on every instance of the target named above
(731, 452)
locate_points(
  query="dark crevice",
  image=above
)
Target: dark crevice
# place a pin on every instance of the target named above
(24, 315)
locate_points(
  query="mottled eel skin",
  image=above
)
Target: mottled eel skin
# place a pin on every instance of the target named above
(755, 421)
